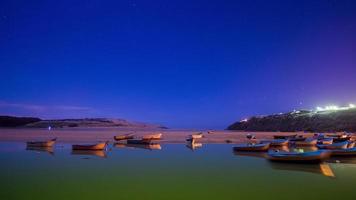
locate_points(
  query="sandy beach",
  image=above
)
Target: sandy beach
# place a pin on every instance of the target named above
(68, 135)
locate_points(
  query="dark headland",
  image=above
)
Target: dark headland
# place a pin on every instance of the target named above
(32, 122)
(303, 120)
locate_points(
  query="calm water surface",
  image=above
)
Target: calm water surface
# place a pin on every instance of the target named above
(174, 172)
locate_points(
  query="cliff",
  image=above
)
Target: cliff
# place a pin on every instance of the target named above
(324, 121)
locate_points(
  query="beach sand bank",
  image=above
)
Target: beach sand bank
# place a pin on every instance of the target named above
(106, 134)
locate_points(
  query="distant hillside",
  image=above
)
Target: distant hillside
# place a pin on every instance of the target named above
(9, 121)
(325, 121)
(6, 121)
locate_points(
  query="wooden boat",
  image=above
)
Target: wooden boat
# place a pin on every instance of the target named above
(336, 135)
(298, 138)
(276, 142)
(344, 152)
(98, 153)
(351, 144)
(325, 141)
(93, 147)
(304, 157)
(339, 145)
(123, 137)
(306, 142)
(137, 141)
(285, 137)
(252, 147)
(157, 136)
(48, 143)
(196, 136)
(151, 146)
(342, 139)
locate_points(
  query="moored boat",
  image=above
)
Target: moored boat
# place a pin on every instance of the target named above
(338, 145)
(298, 138)
(252, 147)
(304, 157)
(276, 142)
(123, 137)
(48, 143)
(94, 147)
(196, 136)
(351, 144)
(325, 141)
(157, 136)
(306, 142)
(284, 136)
(342, 139)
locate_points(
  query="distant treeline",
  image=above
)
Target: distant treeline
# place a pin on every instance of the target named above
(327, 121)
(8, 121)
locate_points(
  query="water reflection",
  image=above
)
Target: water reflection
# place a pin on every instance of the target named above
(251, 154)
(98, 153)
(154, 146)
(41, 149)
(194, 146)
(344, 160)
(323, 168)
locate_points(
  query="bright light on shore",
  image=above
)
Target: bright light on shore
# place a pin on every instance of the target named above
(334, 108)
(244, 120)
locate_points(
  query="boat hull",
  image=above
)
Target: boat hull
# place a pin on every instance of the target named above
(152, 137)
(95, 147)
(307, 157)
(48, 143)
(252, 147)
(123, 137)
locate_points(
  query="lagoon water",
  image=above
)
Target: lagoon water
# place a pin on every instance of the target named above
(213, 171)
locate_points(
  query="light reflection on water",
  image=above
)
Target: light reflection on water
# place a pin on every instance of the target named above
(166, 171)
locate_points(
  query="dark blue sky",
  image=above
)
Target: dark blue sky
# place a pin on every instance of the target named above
(183, 64)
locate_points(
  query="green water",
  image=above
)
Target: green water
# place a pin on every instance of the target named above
(174, 172)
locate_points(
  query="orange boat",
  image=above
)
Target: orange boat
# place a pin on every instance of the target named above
(95, 147)
(338, 145)
(48, 143)
(196, 136)
(157, 136)
(306, 142)
(123, 137)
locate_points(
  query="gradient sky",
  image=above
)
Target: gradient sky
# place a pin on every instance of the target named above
(183, 64)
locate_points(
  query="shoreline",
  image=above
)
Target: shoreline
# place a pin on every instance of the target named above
(82, 135)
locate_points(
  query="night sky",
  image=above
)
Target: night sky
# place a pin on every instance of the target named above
(183, 64)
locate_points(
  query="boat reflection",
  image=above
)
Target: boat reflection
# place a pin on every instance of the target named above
(98, 153)
(251, 154)
(154, 146)
(323, 168)
(41, 149)
(194, 146)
